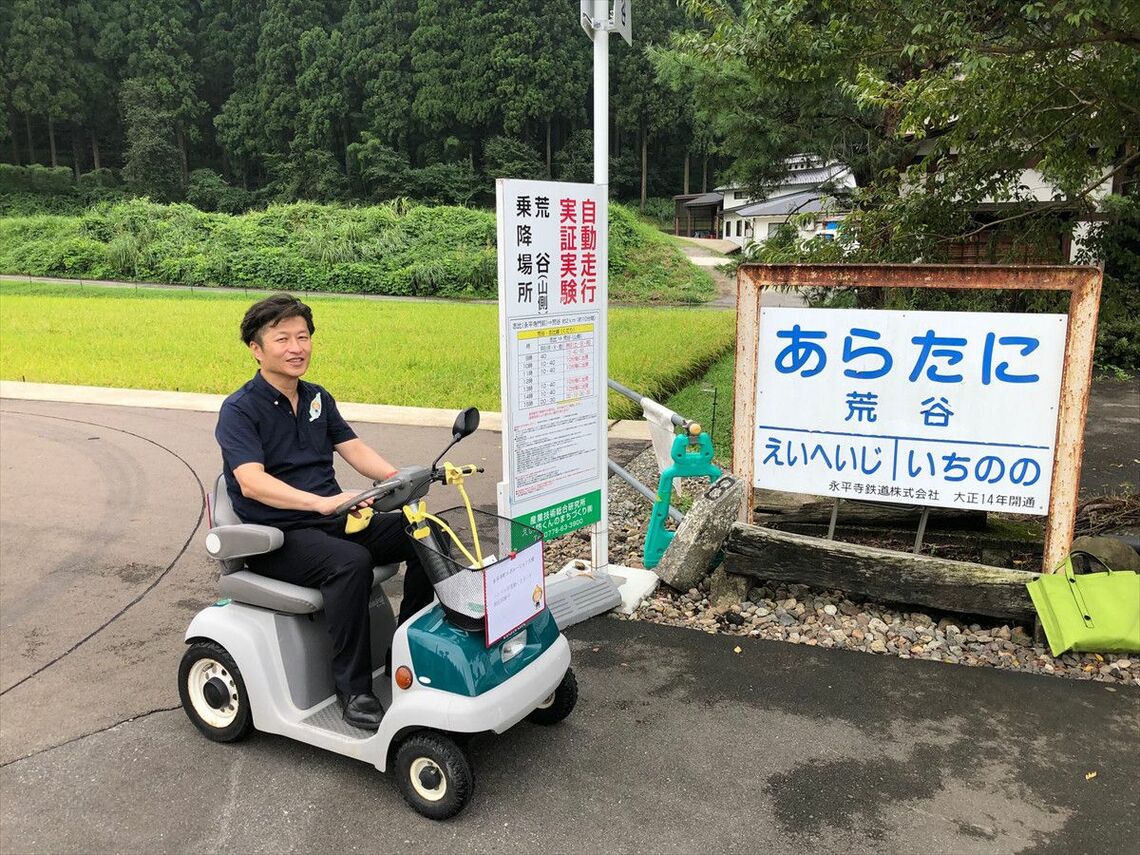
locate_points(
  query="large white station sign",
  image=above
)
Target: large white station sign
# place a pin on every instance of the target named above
(948, 409)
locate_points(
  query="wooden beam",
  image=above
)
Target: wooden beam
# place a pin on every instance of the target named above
(744, 386)
(1076, 381)
(879, 574)
(1038, 277)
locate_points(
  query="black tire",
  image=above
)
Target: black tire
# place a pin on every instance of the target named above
(207, 670)
(558, 705)
(426, 754)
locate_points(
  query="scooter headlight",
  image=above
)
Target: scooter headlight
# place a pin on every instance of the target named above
(514, 646)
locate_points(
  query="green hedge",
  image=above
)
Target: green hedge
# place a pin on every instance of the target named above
(30, 190)
(396, 249)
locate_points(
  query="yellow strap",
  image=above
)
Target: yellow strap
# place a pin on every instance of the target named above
(458, 542)
(454, 475)
(471, 519)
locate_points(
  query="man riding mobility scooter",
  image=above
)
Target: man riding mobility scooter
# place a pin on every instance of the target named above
(259, 657)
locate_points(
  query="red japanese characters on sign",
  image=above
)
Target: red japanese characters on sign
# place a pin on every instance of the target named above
(578, 245)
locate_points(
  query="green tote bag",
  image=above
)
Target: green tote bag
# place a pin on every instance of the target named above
(1090, 612)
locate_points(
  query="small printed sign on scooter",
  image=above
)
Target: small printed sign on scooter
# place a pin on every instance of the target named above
(514, 591)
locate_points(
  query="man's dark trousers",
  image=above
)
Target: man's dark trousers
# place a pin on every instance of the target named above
(323, 556)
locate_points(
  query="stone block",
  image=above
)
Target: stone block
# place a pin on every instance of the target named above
(727, 589)
(701, 534)
(1113, 551)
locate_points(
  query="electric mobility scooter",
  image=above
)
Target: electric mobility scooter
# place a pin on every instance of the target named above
(260, 656)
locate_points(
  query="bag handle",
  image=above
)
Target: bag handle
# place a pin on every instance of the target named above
(1095, 558)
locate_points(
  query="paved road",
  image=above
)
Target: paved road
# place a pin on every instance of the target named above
(101, 526)
(1111, 462)
(680, 743)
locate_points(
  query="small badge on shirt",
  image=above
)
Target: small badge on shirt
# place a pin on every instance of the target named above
(315, 408)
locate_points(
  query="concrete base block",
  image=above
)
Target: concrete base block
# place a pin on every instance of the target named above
(576, 593)
(635, 584)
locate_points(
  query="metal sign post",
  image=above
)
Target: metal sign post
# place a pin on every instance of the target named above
(599, 21)
(575, 593)
(600, 543)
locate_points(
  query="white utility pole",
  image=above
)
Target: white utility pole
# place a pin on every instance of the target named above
(600, 33)
(598, 20)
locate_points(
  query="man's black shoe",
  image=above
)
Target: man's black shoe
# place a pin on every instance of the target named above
(363, 710)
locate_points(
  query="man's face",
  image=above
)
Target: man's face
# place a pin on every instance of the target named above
(284, 348)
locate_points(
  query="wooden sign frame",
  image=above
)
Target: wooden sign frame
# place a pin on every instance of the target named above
(1082, 283)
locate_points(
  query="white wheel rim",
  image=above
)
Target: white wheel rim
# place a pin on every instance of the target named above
(548, 703)
(421, 764)
(200, 674)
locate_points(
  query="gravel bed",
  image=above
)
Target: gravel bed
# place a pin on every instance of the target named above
(802, 615)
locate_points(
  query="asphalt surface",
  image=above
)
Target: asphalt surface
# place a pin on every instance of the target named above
(679, 744)
(1111, 462)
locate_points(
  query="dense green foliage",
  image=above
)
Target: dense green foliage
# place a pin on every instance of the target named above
(54, 190)
(937, 107)
(332, 100)
(424, 354)
(395, 249)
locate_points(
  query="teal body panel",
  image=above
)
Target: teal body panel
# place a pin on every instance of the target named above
(460, 662)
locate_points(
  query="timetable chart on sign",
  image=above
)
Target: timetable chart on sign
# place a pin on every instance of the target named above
(555, 359)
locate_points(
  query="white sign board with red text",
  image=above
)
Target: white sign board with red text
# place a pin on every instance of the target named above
(552, 333)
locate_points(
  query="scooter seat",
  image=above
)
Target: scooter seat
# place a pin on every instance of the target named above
(253, 589)
(243, 585)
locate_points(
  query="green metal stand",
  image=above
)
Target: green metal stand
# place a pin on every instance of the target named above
(692, 455)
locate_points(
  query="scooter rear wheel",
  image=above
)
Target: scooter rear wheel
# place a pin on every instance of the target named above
(433, 775)
(213, 692)
(560, 704)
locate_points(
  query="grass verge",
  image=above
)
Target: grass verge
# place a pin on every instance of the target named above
(695, 401)
(424, 354)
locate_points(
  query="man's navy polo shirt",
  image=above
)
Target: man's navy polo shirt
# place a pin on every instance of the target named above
(256, 425)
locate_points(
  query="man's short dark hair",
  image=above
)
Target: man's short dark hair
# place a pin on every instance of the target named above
(272, 311)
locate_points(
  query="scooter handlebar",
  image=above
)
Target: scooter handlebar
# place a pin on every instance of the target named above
(373, 492)
(408, 484)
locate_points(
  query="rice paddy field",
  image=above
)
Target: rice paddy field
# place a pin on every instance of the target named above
(400, 352)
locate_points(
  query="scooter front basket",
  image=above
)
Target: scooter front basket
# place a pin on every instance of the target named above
(457, 580)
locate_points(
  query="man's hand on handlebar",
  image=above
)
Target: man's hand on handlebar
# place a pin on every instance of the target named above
(329, 504)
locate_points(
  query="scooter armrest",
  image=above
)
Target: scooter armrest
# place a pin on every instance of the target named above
(224, 542)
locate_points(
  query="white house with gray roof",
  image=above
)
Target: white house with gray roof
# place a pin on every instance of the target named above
(803, 190)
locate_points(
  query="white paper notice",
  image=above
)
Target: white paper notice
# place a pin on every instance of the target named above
(514, 590)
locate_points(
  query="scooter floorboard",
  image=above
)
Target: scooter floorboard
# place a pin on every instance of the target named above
(328, 715)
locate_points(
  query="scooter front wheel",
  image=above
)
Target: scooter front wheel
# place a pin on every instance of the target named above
(433, 775)
(213, 692)
(560, 703)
